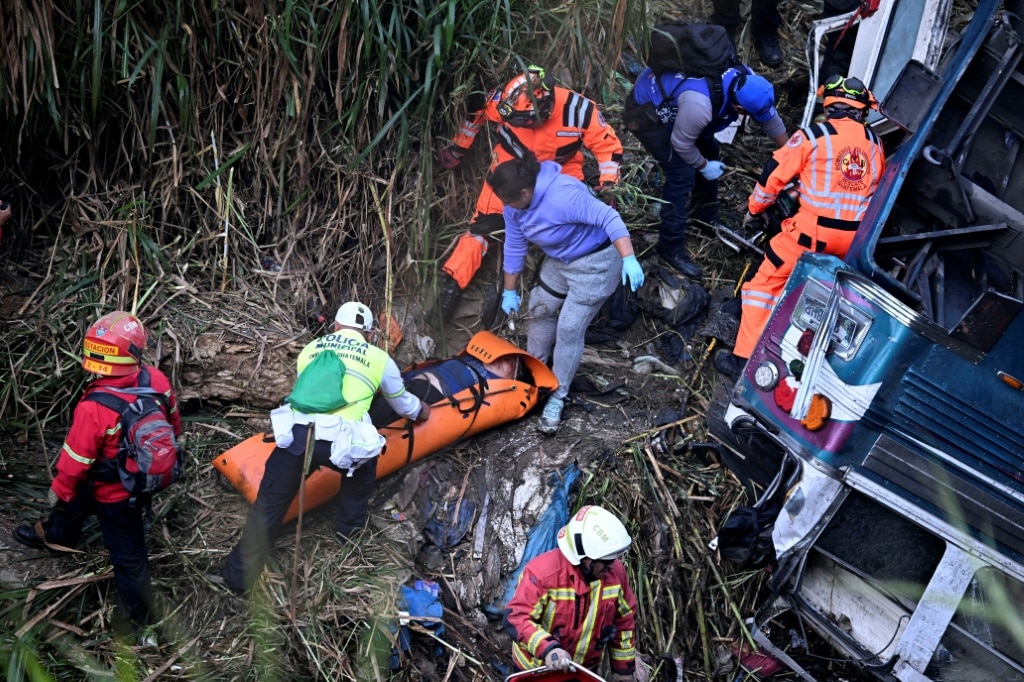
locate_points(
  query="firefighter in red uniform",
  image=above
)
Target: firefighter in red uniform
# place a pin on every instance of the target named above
(574, 602)
(113, 350)
(838, 162)
(531, 113)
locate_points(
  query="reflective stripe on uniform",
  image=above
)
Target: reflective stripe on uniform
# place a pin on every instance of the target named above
(78, 458)
(577, 111)
(759, 299)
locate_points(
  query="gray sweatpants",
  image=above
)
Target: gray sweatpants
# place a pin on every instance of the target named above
(557, 324)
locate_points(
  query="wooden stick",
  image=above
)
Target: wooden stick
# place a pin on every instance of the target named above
(307, 456)
(649, 432)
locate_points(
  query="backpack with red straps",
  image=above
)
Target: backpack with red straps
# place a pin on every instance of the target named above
(149, 458)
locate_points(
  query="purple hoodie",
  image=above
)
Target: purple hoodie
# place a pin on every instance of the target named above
(564, 219)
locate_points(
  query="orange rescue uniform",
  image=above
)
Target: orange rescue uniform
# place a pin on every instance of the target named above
(575, 123)
(839, 163)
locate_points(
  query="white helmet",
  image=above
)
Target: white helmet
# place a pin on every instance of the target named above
(593, 533)
(355, 314)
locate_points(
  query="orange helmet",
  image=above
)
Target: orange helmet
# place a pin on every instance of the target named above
(528, 99)
(114, 344)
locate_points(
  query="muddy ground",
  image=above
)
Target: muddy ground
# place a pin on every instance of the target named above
(637, 410)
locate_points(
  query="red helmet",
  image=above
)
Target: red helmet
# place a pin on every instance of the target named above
(527, 100)
(114, 344)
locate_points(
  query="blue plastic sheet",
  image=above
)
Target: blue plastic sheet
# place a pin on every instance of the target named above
(543, 536)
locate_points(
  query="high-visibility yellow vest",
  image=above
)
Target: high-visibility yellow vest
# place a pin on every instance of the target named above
(364, 368)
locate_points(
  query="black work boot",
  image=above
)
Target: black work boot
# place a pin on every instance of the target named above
(27, 535)
(679, 259)
(729, 364)
(448, 295)
(768, 48)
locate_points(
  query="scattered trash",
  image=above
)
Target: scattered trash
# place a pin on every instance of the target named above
(648, 364)
(672, 298)
(480, 533)
(542, 536)
(445, 531)
(419, 605)
(425, 345)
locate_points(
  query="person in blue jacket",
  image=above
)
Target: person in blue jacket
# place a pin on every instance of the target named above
(689, 111)
(587, 249)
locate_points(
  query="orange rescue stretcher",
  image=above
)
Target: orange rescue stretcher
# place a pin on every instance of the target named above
(543, 674)
(453, 418)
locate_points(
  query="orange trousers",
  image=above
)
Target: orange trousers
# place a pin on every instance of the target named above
(469, 252)
(762, 292)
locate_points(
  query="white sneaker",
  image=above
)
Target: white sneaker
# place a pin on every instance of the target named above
(551, 417)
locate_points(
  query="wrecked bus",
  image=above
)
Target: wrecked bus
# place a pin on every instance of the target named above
(886, 390)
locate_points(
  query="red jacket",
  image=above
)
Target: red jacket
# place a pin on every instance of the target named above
(554, 606)
(95, 434)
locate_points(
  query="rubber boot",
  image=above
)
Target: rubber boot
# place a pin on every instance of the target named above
(449, 293)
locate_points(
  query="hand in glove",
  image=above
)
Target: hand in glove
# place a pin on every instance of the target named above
(450, 157)
(510, 301)
(632, 272)
(424, 413)
(52, 499)
(558, 659)
(754, 221)
(713, 170)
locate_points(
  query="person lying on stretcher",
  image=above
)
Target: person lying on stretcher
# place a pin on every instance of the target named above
(447, 378)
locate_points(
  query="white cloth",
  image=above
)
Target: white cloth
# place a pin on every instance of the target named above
(353, 442)
(282, 419)
(358, 442)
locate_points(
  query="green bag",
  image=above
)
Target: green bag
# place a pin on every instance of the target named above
(318, 388)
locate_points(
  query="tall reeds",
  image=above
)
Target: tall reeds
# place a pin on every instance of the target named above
(277, 150)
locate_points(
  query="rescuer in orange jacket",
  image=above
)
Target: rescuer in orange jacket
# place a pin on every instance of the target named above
(838, 162)
(84, 485)
(530, 113)
(574, 602)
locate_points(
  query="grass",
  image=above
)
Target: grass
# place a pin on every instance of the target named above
(157, 158)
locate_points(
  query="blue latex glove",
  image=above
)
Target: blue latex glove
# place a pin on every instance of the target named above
(713, 170)
(632, 272)
(510, 301)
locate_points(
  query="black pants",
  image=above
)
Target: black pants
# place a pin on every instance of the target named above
(684, 190)
(278, 488)
(764, 15)
(123, 529)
